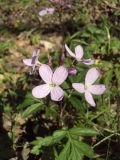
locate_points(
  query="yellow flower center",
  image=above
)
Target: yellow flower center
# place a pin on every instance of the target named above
(97, 61)
(86, 87)
(52, 85)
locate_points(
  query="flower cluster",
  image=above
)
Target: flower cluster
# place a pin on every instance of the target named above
(53, 79)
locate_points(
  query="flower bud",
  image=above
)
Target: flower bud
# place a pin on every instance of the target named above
(72, 71)
(62, 57)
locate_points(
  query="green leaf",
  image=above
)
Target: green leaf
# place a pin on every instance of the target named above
(5, 45)
(55, 138)
(79, 131)
(84, 148)
(76, 153)
(58, 135)
(28, 100)
(64, 155)
(70, 152)
(108, 77)
(35, 150)
(37, 141)
(47, 141)
(117, 74)
(32, 109)
(76, 103)
(51, 111)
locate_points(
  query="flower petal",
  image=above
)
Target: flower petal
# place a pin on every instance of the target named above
(60, 75)
(57, 94)
(79, 52)
(88, 61)
(43, 12)
(50, 10)
(79, 87)
(91, 76)
(69, 51)
(35, 56)
(41, 91)
(89, 98)
(36, 52)
(97, 89)
(45, 73)
(27, 62)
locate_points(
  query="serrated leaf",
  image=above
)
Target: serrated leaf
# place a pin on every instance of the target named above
(75, 103)
(76, 154)
(55, 138)
(32, 109)
(65, 153)
(47, 141)
(79, 131)
(35, 150)
(37, 141)
(28, 100)
(84, 148)
(59, 134)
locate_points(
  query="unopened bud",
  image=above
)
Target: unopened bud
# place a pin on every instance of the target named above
(72, 71)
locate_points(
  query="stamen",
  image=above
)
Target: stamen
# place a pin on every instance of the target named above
(52, 85)
(86, 87)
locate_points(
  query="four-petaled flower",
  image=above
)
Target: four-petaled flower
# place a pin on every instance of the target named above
(32, 62)
(89, 88)
(79, 54)
(52, 82)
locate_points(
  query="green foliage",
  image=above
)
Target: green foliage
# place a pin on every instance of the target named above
(5, 46)
(74, 149)
(61, 128)
(28, 100)
(76, 103)
(32, 109)
(47, 141)
(35, 39)
(79, 131)
(65, 152)
(25, 3)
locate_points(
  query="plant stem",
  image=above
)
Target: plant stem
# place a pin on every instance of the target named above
(104, 139)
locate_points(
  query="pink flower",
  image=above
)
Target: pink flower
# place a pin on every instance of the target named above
(79, 54)
(89, 88)
(34, 60)
(43, 12)
(50, 10)
(52, 82)
(47, 11)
